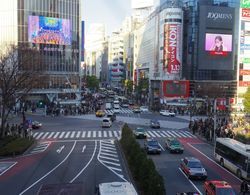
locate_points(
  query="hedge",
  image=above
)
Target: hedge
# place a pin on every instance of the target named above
(143, 170)
(243, 138)
(15, 146)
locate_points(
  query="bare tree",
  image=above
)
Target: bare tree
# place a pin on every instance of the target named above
(20, 72)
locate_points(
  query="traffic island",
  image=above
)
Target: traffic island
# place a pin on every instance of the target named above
(11, 145)
(144, 173)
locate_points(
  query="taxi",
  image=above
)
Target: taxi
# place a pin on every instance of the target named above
(216, 187)
(100, 113)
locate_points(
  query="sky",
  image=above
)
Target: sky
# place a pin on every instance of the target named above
(109, 12)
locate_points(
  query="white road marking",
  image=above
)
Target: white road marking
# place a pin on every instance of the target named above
(13, 164)
(161, 147)
(56, 135)
(45, 135)
(62, 134)
(147, 134)
(99, 134)
(59, 150)
(50, 170)
(116, 133)
(171, 134)
(214, 162)
(83, 134)
(111, 163)
(94, 133)
(78, 134)
(108, 154)
(151, 134)
(174, 132)
(89, 134)
(104, 134)
(86, 165)
(108, 145)
(40, 135)
(73, 134)
(108, 148)
(108, 158)
(197, 189)
(109, 151)
(51, 134)
(67, 134)
(110, 134)
(35, 134)
(83, 148)
(116, 169)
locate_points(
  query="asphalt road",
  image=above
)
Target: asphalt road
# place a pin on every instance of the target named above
(175, 180)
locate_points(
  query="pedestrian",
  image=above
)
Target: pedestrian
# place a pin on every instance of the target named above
(244, 187)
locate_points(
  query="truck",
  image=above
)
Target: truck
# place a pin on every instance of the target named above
(108, 106)
(116, 188)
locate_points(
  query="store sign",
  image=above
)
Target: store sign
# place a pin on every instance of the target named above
(245, 14)
(245, 3)
(217, 15)
(244, 72)
(172, 53)
(244, 83)
(246, 60)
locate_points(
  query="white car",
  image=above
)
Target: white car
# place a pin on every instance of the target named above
(106, 122)
(167, 113)
(116, 110)
(144, 109)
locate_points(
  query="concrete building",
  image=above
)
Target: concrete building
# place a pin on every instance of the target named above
(30, 23)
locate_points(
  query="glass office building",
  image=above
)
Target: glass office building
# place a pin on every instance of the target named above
(53, 27)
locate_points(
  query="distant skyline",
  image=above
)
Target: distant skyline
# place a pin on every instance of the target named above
(109, 12)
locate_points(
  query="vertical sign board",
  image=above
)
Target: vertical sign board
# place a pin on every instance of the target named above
(172, 53)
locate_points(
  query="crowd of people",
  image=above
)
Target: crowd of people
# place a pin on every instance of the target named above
(205, 127)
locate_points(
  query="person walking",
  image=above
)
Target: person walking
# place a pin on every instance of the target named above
(244, 187)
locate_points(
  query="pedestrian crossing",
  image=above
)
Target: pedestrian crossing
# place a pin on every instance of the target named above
(41, 147)
(109, 158)
(100, 134)
(122, 111)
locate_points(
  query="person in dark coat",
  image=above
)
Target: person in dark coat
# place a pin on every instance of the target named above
(244, 187)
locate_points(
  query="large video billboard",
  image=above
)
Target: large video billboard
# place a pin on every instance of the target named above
(178, 89)
(216, 34)
(47, 30)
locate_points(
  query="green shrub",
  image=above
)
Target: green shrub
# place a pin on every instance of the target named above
(16, 146)
(142, 168)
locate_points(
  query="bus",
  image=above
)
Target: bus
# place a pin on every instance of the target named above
(234, 156)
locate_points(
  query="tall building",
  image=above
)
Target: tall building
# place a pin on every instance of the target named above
(95, 40)
(54, 29)
(212, 73)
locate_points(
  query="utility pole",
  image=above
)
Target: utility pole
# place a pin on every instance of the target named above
(215, 118)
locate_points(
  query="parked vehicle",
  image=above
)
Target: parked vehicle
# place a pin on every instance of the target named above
(140, 132)
(106, 122)
(155, 124)
(216, 187)
(174, 146)
(167, 113)
(193, 168)
(152, 146)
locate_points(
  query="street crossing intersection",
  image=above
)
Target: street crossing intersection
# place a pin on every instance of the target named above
(106, 134)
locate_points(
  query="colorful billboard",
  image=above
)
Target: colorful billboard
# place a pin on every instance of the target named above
(218, 44)
(47, 30)
(172, 48)
(245, 3)
(179, 89)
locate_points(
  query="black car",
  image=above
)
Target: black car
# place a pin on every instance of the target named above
(152, 146)
(36, 125)
(112, 116)
(155, 124)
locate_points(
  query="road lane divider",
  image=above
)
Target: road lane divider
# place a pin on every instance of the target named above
(48, 173)
(196, 188)
(85, 165)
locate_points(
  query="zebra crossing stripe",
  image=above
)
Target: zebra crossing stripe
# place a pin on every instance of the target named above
(108, 158)
(110, 134)
(111, 163)
(104, 134)
(78, 134)
(108, 154)
(94, 133)
(45, 135)
(89, 134)
(51, 134)
(157, 135)
(108, 148)
(161, 133)
(110, 151)
(176, 134)
(83, 134)
(56, 135)
(147, 134)
(150, 134)
(67, 134)
(73, 134)
(35, 134)
(99, 134)
(116, 169)
(116, 133)
(171, 135)
(189, 134)
(62, 134)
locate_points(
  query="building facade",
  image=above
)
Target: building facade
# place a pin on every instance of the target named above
(54, 29)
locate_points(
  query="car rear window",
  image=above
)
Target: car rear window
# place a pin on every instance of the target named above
(194, 164)
(106, 120)
(153, 143)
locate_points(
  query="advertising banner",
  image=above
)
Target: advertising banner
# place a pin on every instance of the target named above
(178, 89)
(172, 48)
(244, 83)
(245, 14)
(245, 3)
(244, 72)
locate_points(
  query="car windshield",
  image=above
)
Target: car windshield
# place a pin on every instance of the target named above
(225, 191)
(140, 130)
(174, 143)
(153, 143)
(194, 164)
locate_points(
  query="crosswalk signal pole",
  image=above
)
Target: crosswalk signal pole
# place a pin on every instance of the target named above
(215, 118)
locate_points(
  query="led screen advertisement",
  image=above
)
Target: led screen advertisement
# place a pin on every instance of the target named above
(172, 48)
(218, 44)
(178, 89)
(47, 30)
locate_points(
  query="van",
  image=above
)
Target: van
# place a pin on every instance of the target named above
(106, 122)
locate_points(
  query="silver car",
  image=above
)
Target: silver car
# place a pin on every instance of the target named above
(193, 168)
